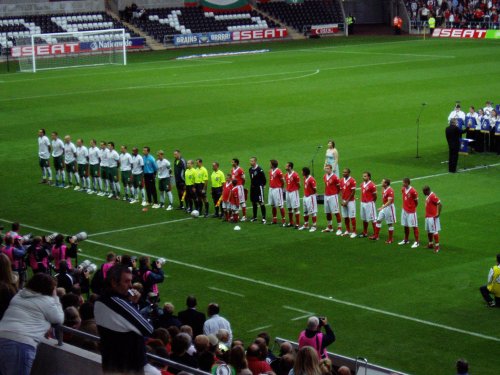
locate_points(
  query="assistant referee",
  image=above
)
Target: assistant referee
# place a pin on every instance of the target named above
(217, 179)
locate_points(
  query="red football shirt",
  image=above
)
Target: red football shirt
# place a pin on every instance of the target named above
(410, 198)
(309, 186)
(238, 175)
(292, 181)
(368, 190)
(234, 197)
(431, 205)
(275, 178)
(347, 186)
(228, 186)
(331, 184)
(388, 193)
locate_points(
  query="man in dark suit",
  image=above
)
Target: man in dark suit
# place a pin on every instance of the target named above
(191, 317)
(453, 136)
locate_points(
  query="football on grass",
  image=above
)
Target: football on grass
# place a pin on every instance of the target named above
(195, 213)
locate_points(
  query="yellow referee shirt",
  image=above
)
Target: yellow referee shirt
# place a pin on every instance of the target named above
(189, 176)
(201, 175)
(217, 178)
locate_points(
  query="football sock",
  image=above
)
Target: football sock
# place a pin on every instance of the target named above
(347, 224)
(275, 213)
(263, 210)
(374, 226)
(353, 224)
(254, 206)
(290, 217)
(244, 211)
(365, 227)
(436, 239)
(306, 220)
(297, 218)
(391, 233)
(77, 176)
(162, 197)
(407, 233)
(429, 236)
(415, 232)
(170, 197)
(282, 211)
(314, 218)
(339, 219)
(377, 229)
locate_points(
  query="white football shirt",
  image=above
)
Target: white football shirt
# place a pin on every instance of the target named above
(137, 164)
(82, 154)
(93, 155)
(43, 147)
(125, 162)
(163, 168)
(57, 147)
(69, 152)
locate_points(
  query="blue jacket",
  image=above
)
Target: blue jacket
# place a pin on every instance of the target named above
(149, 164)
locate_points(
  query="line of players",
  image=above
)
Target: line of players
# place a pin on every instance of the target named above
(339, 201)
(96, 171)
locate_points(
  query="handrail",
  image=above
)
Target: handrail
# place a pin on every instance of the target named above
(168, 362)
(342, 360)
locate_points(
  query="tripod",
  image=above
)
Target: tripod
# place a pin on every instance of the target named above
(418, 127)
(314, 157)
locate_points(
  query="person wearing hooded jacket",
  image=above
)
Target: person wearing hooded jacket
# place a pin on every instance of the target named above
(314, 337)
(29, 316)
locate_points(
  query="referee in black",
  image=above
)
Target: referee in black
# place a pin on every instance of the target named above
(453, 135)
(257, 183)
(180, 181)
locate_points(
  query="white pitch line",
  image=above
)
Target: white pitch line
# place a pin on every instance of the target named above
(226, 291)
(138, 227)
(84, 255)
(291, 290)
(297, 310)
(260, 328)
(332, 50)
(301, 317)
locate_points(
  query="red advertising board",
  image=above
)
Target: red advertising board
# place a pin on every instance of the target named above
(45, 49)
(325, 29)
(259, 34)
(459, 33)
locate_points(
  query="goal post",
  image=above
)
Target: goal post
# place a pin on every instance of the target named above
(71, 49)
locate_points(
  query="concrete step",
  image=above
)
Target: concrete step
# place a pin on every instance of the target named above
(150, 42)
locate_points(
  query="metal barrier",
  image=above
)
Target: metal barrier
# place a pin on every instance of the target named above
(178, 366)
(357, 365)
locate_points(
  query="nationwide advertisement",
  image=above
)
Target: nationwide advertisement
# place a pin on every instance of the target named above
(243, 35)
(133, 43)
(325, 29)
(466, 33)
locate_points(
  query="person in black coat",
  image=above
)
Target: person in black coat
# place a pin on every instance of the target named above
(192, 317)
(453, 136)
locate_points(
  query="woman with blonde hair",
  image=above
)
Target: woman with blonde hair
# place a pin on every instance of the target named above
(8, 283)
(332, 157)
(306, 362)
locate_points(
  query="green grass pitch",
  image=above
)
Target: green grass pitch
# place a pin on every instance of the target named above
(411, 310)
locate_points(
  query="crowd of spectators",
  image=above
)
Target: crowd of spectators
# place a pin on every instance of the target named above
(456, 13)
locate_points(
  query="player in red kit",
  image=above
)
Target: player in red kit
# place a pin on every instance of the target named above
(332, 188)
(368, 199)
(310, 203)
(239, 175)
(409, 213)
(386, 212)
(292, 195)
(433, 209)
(234, 200)
(276, 184)
(348, 205)
(224, 199)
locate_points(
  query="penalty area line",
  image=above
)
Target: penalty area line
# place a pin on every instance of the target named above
(291, 290)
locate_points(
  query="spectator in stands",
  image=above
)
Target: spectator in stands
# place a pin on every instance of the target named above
(284, 362)
(152, 312)
(344, 370)
(168, 318)
(162, 335)
(313, 337)
(263, 340)
(121, 327)
(192, 317)
(493, 286)
(88, 326)
(306, 362)
(238, 361)
(462, 367)
(64, 278)
(216, 322)
(37, 307)
(38, 255)
(156, 348)
(150, 275)
(188, 330)
(8, 283)
(255, 362)
(180, 346)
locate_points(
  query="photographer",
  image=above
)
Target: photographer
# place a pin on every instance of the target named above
(38, 255)
(152, 313)
(15, 251)
(64, 277)
(61, 252)
(312, 335)
(150, 276)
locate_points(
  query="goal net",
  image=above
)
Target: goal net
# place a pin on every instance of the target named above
(71, 49)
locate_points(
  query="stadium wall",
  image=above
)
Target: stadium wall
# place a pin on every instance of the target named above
(36, 7)
(367, 11)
